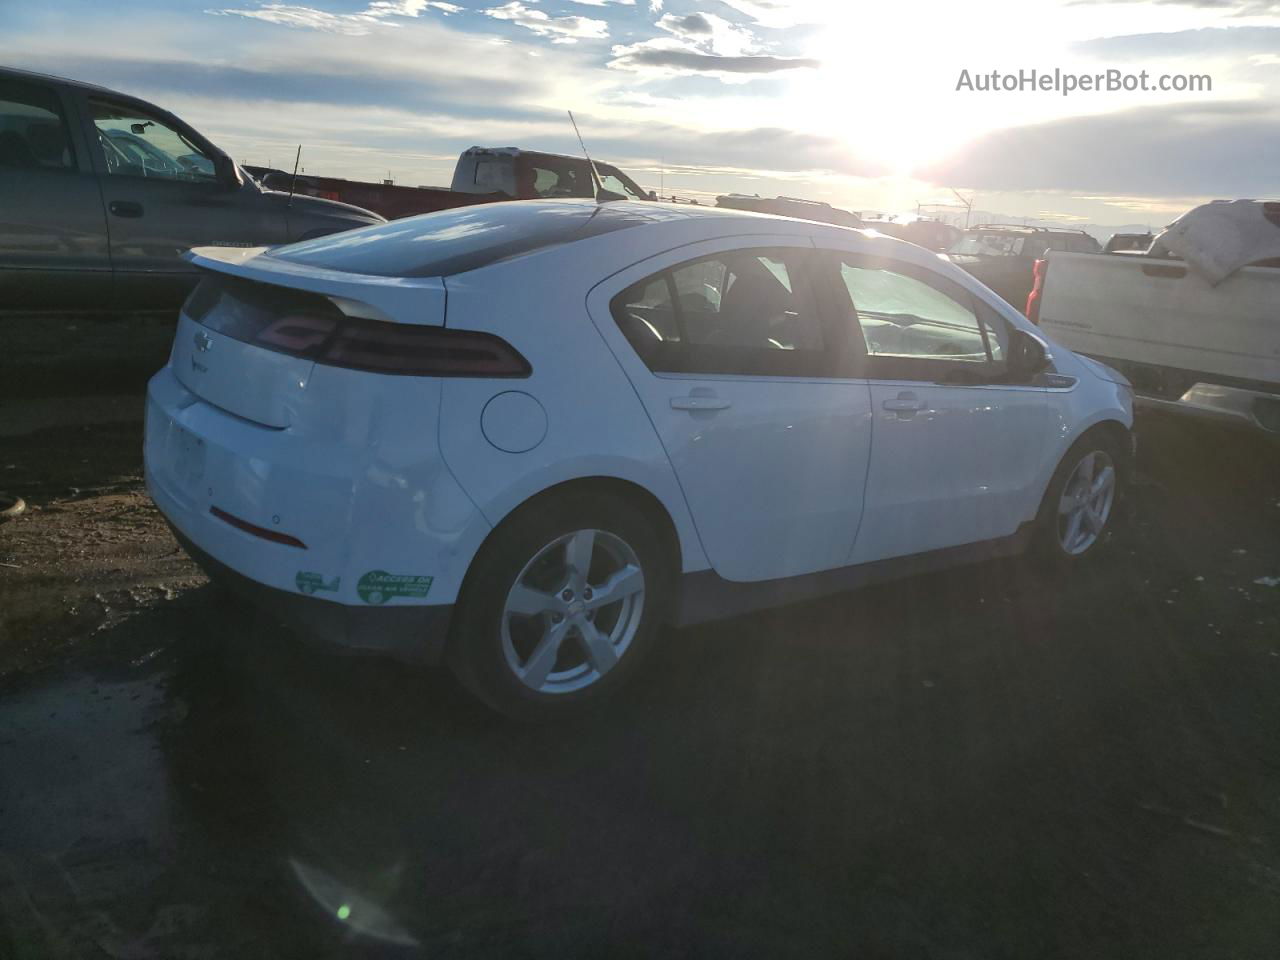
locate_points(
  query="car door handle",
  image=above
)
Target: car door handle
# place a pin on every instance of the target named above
(699, 403)
(904, 403)
(125, 208)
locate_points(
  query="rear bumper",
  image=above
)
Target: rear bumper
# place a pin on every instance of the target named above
(357, 537)
(1233, 406)
(415, 634)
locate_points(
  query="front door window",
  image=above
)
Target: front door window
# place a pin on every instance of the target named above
(137, 145)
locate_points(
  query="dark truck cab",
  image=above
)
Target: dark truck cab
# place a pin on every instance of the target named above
(482, 175)
(101, 194)
(1003, 256)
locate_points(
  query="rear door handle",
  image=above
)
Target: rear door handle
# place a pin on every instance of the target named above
(905, 402)
(699, 403)
(125, 208)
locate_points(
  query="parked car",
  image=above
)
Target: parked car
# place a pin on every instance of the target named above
(818, 210)
(1002, 255)
(522, 436)
(1129, 243)
(101, 193)
(1194, 324)
(482, 175)
(927, 232)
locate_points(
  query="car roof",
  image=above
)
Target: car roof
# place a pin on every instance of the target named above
(462, 239)
(15, 73)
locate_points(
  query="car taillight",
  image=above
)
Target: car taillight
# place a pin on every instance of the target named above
(421, 351)
(1037, 290)
(311, 326)
(395, 348)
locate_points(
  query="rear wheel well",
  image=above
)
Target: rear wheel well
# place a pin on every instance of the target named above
(625, 491)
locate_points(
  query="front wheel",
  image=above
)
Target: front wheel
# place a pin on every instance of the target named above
(1079, 510)
(560, 606)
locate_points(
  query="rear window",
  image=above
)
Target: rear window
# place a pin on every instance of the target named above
(455, 241)
(992, 244)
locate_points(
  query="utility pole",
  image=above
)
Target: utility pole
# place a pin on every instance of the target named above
(967, 204)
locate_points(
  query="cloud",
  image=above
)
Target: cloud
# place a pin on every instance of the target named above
(1235, 8)
(703, 43)
(317, 79)
(1223, 149)
(1201, 43)
(667, 56)
(559, 29)
(708, 33)
(604, 3)
(757, 152)
(779, 14)
(351, 24)
(694, 23)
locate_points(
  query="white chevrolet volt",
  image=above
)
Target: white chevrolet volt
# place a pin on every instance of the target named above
(524, 436)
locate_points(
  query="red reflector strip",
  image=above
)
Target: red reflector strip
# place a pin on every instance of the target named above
(256, 530)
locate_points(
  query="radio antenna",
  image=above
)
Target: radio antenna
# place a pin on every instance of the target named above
(602, 194)
(293, 183)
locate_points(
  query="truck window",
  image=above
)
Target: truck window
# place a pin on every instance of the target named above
(617, 182)
(558, 177)
(33, 131)
(491, 175)
(137, 145)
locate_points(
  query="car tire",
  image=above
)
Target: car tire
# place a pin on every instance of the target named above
(534, 636)
(1081, 509)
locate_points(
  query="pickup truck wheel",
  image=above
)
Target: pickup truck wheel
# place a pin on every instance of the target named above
(560, 606)
(1081, 506)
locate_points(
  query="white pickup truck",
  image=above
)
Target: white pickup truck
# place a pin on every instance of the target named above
(1194, 323)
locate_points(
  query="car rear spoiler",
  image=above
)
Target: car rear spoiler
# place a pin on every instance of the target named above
(418, 300)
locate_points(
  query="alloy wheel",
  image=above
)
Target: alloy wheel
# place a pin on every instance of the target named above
(1085, 505)
(573, 611)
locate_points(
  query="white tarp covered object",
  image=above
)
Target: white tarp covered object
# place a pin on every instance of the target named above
(1217, 239)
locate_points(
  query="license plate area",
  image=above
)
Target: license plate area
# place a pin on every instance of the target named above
(188, 458)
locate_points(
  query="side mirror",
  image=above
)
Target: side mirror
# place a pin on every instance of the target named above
(1027, 355)
(227, 172)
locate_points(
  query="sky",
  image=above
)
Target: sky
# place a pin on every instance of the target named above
(853, 103)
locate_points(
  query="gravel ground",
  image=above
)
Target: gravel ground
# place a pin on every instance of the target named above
(978, 764)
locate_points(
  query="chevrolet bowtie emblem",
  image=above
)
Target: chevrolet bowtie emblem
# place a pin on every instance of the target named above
(203, 341)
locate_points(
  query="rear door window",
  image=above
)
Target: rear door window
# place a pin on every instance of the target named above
(33, 130)
(746, 312)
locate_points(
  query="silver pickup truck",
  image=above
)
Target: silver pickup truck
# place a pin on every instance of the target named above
(1194, 322)
(101, 193)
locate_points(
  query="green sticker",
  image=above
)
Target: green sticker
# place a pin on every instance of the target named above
(309, 582)
(378, 586)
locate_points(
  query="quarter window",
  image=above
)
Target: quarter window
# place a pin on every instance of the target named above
(137, 145)
(33, 131)
(749, 312)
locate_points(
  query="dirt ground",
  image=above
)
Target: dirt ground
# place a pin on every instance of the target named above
(978, 764)
(90, 549)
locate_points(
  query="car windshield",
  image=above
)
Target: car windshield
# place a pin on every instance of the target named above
(989, 245)
(455, 241)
